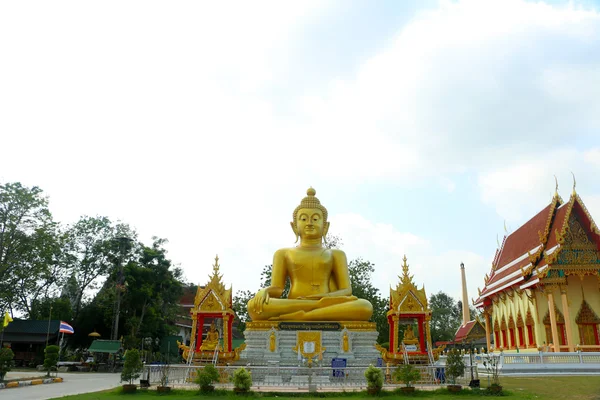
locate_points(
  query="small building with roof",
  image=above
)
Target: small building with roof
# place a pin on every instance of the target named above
(543, 287)
(27, 339)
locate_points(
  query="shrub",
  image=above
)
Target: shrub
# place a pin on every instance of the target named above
(492, 364)
(374, 379)
(206, 377)
(407, 374)
(50, 358)
(6, 361)
(455, 365)
(132, 367)
(242, 380)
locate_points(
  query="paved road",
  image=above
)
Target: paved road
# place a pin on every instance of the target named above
(75, 383)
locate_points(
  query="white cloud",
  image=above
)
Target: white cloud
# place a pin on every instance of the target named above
(520, 190)
(385, 246)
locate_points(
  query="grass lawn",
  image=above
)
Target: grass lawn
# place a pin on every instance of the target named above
(543, 388)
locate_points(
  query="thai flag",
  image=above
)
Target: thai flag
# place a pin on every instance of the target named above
(66, 328)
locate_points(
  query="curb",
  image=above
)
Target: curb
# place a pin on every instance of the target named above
(29, 383)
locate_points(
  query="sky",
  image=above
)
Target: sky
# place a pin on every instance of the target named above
(425, 127)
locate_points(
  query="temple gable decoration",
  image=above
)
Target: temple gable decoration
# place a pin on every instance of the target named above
(407, 297)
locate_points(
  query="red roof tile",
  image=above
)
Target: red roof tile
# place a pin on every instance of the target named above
(557, 225)
(463, 331)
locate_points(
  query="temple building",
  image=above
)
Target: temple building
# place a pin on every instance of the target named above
(543, 288)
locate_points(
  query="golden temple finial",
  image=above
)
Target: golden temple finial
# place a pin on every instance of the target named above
(215, 278)
(505, 230)
(497, 240)
(405, 278)
(574, 183)
(556, 187)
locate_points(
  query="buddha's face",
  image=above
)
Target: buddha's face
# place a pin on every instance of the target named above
(310, 223)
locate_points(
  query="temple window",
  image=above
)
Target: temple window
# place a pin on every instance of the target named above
(560, 327)
(587, 322)
(496, 334)
(530, 328)
(505, 343)
(511, 330)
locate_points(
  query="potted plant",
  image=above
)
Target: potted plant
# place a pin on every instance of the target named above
(374, 378)
(492, 364)
(455, 367)
(50, 358)
(408, 375)
(132, 369)
(206, 377)
(242, 380)
(6, 361)
(164, 378)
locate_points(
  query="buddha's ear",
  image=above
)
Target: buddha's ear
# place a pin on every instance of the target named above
(295, 232)
(325, 229)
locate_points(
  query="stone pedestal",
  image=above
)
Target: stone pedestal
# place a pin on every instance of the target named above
(361, 350)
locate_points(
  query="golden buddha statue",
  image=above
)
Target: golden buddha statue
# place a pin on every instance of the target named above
(211, 341)
(409, 336)
(320, 283)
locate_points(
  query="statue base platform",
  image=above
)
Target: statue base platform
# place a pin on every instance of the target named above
(261, 350)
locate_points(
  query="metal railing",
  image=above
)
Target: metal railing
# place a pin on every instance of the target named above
(293, 377)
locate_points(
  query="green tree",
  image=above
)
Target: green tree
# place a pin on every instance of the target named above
(152, 292)
(362, 287)
(240, 306)
(445, 317)
(6, 361)
(92, 253)
(30, 245)
(132, 367)
(50, 358)
(61, 308)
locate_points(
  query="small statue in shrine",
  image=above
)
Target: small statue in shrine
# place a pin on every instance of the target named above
(345, 344)
(409, 336)
(211, 341)
(272, 342)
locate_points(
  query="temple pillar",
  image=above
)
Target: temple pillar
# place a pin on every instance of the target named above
(199, 332)
(428, 332)
(395, 319)
(229, 329)
(565, 306)
(226, 334)
(486, 316)
(422, 333)
(553, 327)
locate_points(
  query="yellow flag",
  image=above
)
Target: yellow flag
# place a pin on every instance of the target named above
(7, 319)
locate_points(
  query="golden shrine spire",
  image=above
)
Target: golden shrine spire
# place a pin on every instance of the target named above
(215, 278)
(556, 187)
(574, 183)
(405, 279)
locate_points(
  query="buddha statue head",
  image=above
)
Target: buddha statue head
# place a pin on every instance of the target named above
(310, 218)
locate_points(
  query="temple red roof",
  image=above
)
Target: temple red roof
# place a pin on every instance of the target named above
(526, 249)
(463, 331)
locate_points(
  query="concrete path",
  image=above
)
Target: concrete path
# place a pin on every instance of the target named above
(75, 383)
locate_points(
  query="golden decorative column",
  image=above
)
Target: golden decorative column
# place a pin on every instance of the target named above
(428, 331)
(396, 320)
(226, 332)
(488, 343)
(565, 306)
(552, 312)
